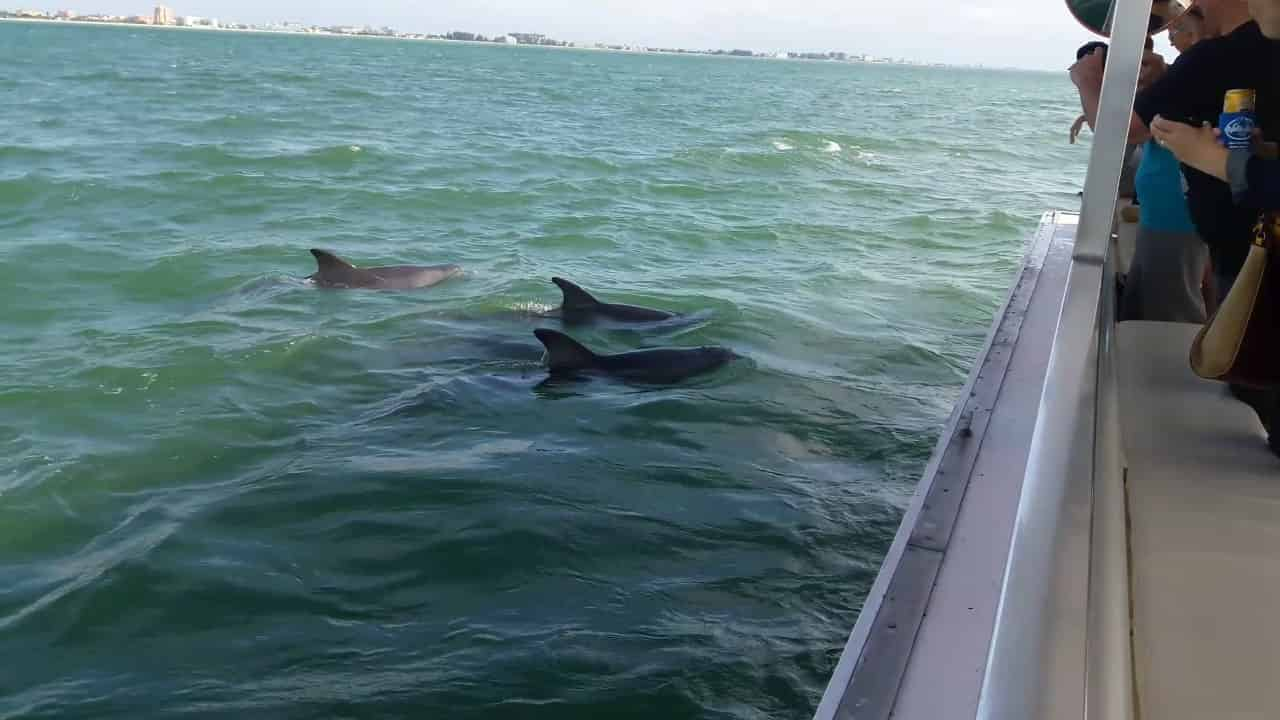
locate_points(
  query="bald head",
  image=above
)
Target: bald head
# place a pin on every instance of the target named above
(1267, 13)
(1224, 16)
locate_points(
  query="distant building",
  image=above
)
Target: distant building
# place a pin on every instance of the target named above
(163, 16)
(67, 14)
(190, 21)
(509, 40)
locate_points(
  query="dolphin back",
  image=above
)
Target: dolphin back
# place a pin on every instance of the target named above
(580, 306)
(564, 354)
(328, 262)
(334, 272)
(575, 298)
(665, 365)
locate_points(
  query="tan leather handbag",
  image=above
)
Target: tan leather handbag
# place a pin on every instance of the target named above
(1240, 344)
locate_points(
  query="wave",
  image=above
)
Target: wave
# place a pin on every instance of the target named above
(244, 121)
(110, 76)
(346, 92)
(239, 157)
(25, 152)
(23, 191)
(334, 155)
(588, 162)
(286, 77)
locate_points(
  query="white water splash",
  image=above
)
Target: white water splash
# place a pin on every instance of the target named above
(535, 309)
(782, 146)
(831, 147)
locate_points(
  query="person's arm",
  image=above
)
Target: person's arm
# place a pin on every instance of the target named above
(1191, 89)
(1087, 76)
(1254, 174)
(1198, 147)
(1255, 180)
(1076, 127)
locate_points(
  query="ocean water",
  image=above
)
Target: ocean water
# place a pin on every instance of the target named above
(226, 493)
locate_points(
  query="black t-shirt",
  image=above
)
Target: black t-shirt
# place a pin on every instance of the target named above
(1192, 91)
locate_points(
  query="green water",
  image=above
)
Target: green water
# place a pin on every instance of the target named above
(226, 493)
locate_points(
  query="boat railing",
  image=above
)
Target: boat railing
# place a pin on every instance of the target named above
(1071, 521)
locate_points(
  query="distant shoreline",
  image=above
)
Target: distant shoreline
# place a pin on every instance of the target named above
(198, 28)
(264, 31)
(623, 51)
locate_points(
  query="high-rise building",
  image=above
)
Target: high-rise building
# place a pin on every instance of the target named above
(164, 16)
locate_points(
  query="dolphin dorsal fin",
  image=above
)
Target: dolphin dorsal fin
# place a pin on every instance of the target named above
(563, 352)
(328, 261)
(575, 298)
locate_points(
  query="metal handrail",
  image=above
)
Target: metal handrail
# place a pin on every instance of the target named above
(1109, 649)
(1016, 678)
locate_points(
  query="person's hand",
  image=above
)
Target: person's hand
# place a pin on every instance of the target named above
(1076, 127)
(1261, 148)
(1087, 72)
(1198, 147)
(1153, 68)
(1185, 141)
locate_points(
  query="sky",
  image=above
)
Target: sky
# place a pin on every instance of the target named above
(1032, 34)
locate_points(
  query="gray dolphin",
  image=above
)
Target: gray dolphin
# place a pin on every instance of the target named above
(566, 356)
(580, 307)
(334, 272)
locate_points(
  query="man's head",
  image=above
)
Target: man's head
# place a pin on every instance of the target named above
(1090, 48)
(1164, 12)
(1187, 30)
(1223, 16)
(1267, 13)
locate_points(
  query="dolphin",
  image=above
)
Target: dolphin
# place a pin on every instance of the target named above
(566, 356)
(580, 307)
(334, 272)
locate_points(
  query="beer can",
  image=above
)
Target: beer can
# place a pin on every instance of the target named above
(1238, 119)
(1240, 101)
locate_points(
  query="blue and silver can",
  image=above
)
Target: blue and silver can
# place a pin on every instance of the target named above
(1238, 119)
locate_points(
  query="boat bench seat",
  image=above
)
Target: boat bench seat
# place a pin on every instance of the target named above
(1204, 504)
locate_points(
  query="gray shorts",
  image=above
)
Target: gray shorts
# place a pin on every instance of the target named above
(1165, 277)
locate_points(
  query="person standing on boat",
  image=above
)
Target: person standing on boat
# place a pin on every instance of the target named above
(1235, 56)
(1169, 261)
(1132, 151)
(1078, 125)
(1254, 174)
(1193, 89)
(1187, 30)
